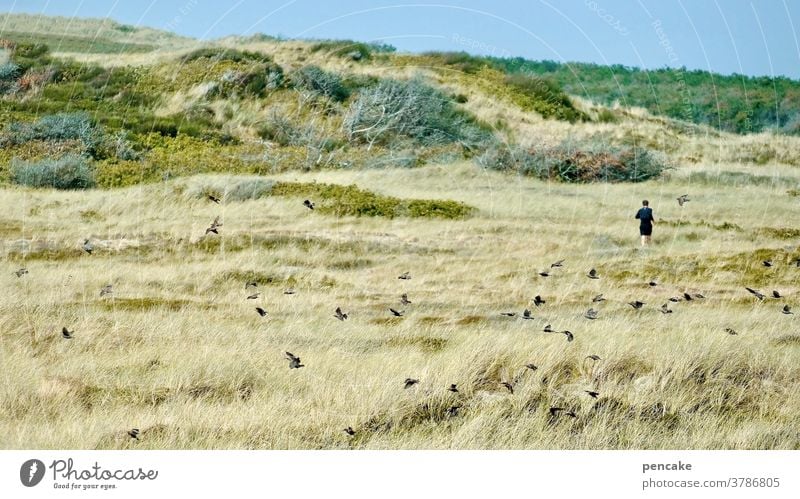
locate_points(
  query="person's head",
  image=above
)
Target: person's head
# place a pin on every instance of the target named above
(645, 203)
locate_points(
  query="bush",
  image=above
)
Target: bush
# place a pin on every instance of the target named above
(9, 71)
(56, 127)
(221, 54)
(321, 82)
(67, 172)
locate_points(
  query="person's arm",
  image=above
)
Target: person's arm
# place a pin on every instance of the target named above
(638, 214)
(652, 218)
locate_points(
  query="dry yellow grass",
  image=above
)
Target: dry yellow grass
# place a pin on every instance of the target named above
(180, 353)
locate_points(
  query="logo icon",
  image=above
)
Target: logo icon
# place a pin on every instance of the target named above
(31, 472)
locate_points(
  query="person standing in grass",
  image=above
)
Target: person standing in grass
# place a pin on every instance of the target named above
(646, 221)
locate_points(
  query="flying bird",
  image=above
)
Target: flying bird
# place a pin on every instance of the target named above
(66, 334)
(598, 298)
(405, 275)
(787, 310)
(294, 361)
(453, 388)
(555, 410)
(289, 291)
(308, 204)
(350, 431)
(559, 263)
(683, 199)
(134, 433)
(548, 329)
(592, 394)
(526, 314)
(409, 382)
(636, 304)
(396, 313)
(214, 227)
(665, 309)
(568, 334)
(775, 294)
(106, 290)
(544, 274)
(21, 272)
(213, 198)
(538, 300)
(404, 299)
(250, 284)
(675, 299)
(261, 311)
(593, 274)
(87, 246)
(453, 411)
(767, 263)
(532, 367)
(652, 284)
(593, 357)
(755, 293)
(730, 331)
(508, 314)
(687, 297)
(340, 315)
(591, 314)
(253, 296)
(509, 386)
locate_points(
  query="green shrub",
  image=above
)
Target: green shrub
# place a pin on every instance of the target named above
(67, 172)
(352, 50)
(544, 96)
(9, 71)
(321, 82)
(57, 127)
(215, 54)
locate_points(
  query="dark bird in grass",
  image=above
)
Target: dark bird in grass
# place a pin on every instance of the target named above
(409, 382)
(294, 361)
(350, 431)
(687, 297)
(134, 433)
(308, 204)
(555, 410)
(755, 293)
(767, 263)
(508, 386)
(526, 314)
(598, 298)
(544, 274)
(87, 246)
(665, 309)
(453, 411)
(775, 294)
(592, 394)
(339, 314)
(253, 296)
(405, 275)
(538, 300)
(593, 274)
(532, 367)
(453, 388)
(548, 329)
(675, 299)
(787, 310)
(731, 331)
(213, 198)
(508, 314)
(214, 227)
(21, 272)
(404, 299)
(66, 334)
(289, 291)
(636, 304)
(591, 314)
(652, 284)
(593, 357)
(559, 263)
(683, 199)
(261, 311)
(568, 334)
(397, 313)
(106, 290)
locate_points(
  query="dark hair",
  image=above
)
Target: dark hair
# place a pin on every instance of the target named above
(645, 203)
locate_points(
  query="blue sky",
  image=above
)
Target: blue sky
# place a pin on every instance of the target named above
(728, 36)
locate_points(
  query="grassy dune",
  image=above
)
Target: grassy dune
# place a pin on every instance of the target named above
(179, 352)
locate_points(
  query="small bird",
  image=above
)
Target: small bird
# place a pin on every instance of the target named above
(568, 334)
(66, 334)
(775, 294)
(106, 290)
(308, 204)
(253, 296)
(294, 361)
(396, 313)
(21, 272)
(730, 331)
(526, 314)
(453, 388)
(213, 198)
(453, 411)
(544, 274)
(410, 382)
(261, 311)
(593, 274)
(698, 296)
(250, 284)
(289, 291)
(591, 314)
(755, 293)
(687, 297)
(509, 386)
(675, 299)
(652, 284)
(665, 309)
(598, 298)
(548, 329)
(559, 263)
(508, 314)
(767, 263)
(340, 315)
(787, 310)
(683, 199)
(214, 227)
(532, 367)
(350, 431)
(405, 275)
(592, 394)
(636, 304)
(404, 299)
(87, 246)
(556, 410)
(134, 433)
(593, 357)
(538, 300)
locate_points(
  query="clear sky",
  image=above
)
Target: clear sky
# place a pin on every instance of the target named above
(755, 37)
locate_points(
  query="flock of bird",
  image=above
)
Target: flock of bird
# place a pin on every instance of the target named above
(527, 314)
